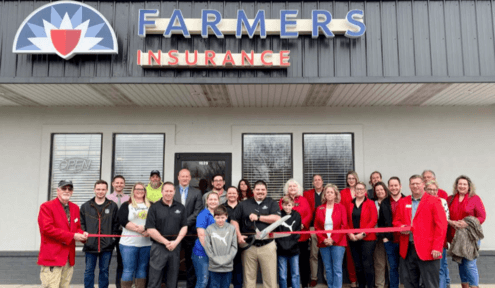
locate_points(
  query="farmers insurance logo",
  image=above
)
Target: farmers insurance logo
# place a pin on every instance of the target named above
(65, 28)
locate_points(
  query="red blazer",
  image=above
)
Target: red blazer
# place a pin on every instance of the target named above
(346, 197)
(310, 197)
(429, 227)
(369, 217)
(339, 218)
(302, 206)
(57, 236)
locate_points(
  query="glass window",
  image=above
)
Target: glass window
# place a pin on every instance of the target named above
(76, 157)
(136, 155)
(330, 155)
(267, 157)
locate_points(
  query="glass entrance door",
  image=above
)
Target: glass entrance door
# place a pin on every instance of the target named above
(203, 166)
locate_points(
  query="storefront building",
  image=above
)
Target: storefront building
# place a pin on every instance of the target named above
(403, 87)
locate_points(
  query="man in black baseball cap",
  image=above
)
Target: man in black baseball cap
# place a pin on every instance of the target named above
(154, 188)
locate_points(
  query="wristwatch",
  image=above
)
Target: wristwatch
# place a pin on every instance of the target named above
(364, 234)
(259, 216)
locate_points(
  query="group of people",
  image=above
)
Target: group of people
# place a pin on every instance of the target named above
(216, 229)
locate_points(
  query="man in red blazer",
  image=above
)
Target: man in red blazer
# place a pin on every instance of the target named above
(314, 199)
(422, 247)
(60, 227)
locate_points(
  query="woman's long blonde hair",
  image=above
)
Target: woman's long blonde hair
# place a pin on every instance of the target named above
(472, 189)
(335, 189)
(133, 201)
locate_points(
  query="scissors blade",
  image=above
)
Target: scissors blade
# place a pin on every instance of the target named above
(263, 234)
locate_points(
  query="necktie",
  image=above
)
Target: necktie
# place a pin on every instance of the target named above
(183, 196)
(118, 200)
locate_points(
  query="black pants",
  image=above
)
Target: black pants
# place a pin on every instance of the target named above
(162, 260)
(304, 268)
(120, 265)
(188, 245)
(414, 268)
(237, 273)
(362, 254)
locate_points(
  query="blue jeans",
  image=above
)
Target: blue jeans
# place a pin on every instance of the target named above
(293, 261)
(392, 250)
(444, 270)
(468, 271)
(332, 257)
(89, 273)
(201, 268)
(220, 280)
(135, 260)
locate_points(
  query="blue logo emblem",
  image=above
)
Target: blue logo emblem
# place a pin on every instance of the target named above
(65, 28)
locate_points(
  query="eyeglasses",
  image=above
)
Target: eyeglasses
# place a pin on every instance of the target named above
(360, 189)
(66, 188)
(431, 189)
(217, 181)
(139, 189)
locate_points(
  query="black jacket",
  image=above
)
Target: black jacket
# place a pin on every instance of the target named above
(194, 205)
(288, 246)
(95, 222)
(385, 218)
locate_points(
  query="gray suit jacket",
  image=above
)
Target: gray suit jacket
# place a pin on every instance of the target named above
(194, 205)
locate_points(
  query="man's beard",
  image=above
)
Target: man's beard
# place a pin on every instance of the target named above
(155, 185)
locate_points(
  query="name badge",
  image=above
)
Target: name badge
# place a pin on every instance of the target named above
(107, 211)
(75, 220)
(408, 206)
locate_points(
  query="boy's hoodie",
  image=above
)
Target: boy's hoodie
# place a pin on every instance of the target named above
(221, 247)
(288, 246)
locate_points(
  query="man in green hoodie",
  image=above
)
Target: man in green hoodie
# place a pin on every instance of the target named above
(154, 188)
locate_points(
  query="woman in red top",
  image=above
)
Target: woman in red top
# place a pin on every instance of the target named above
(464, 202)
(362, 214)
(347, 195)
(331, 215)
(294, 190)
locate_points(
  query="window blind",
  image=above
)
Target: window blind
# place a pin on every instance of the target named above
(330, 155)
(76, 157)
(136, 155)
(268, 157)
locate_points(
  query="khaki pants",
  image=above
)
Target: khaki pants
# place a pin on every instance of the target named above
(56, 277)
(380, 263)
(267, 257)
(313, 256)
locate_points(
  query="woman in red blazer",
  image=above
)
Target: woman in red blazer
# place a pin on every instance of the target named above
(331, 215)
(465, 203)
(362, 214)
(294, 190)
(347, 195)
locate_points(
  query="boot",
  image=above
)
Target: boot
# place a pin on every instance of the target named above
(126, 284)
(140, 283)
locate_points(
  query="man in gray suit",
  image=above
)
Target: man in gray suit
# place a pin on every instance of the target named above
(190, 197)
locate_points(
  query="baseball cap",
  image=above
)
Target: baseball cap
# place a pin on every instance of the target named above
(155, 172)
(63, 183)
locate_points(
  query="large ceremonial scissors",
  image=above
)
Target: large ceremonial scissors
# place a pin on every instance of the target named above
(267, 233)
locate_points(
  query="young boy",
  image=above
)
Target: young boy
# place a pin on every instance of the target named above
(221, 248)
(288, 247)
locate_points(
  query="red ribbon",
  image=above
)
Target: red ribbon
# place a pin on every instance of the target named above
(345, 231)
(342, 231)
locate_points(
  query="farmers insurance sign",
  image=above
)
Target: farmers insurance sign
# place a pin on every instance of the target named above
(68, 28)
(211, 23)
